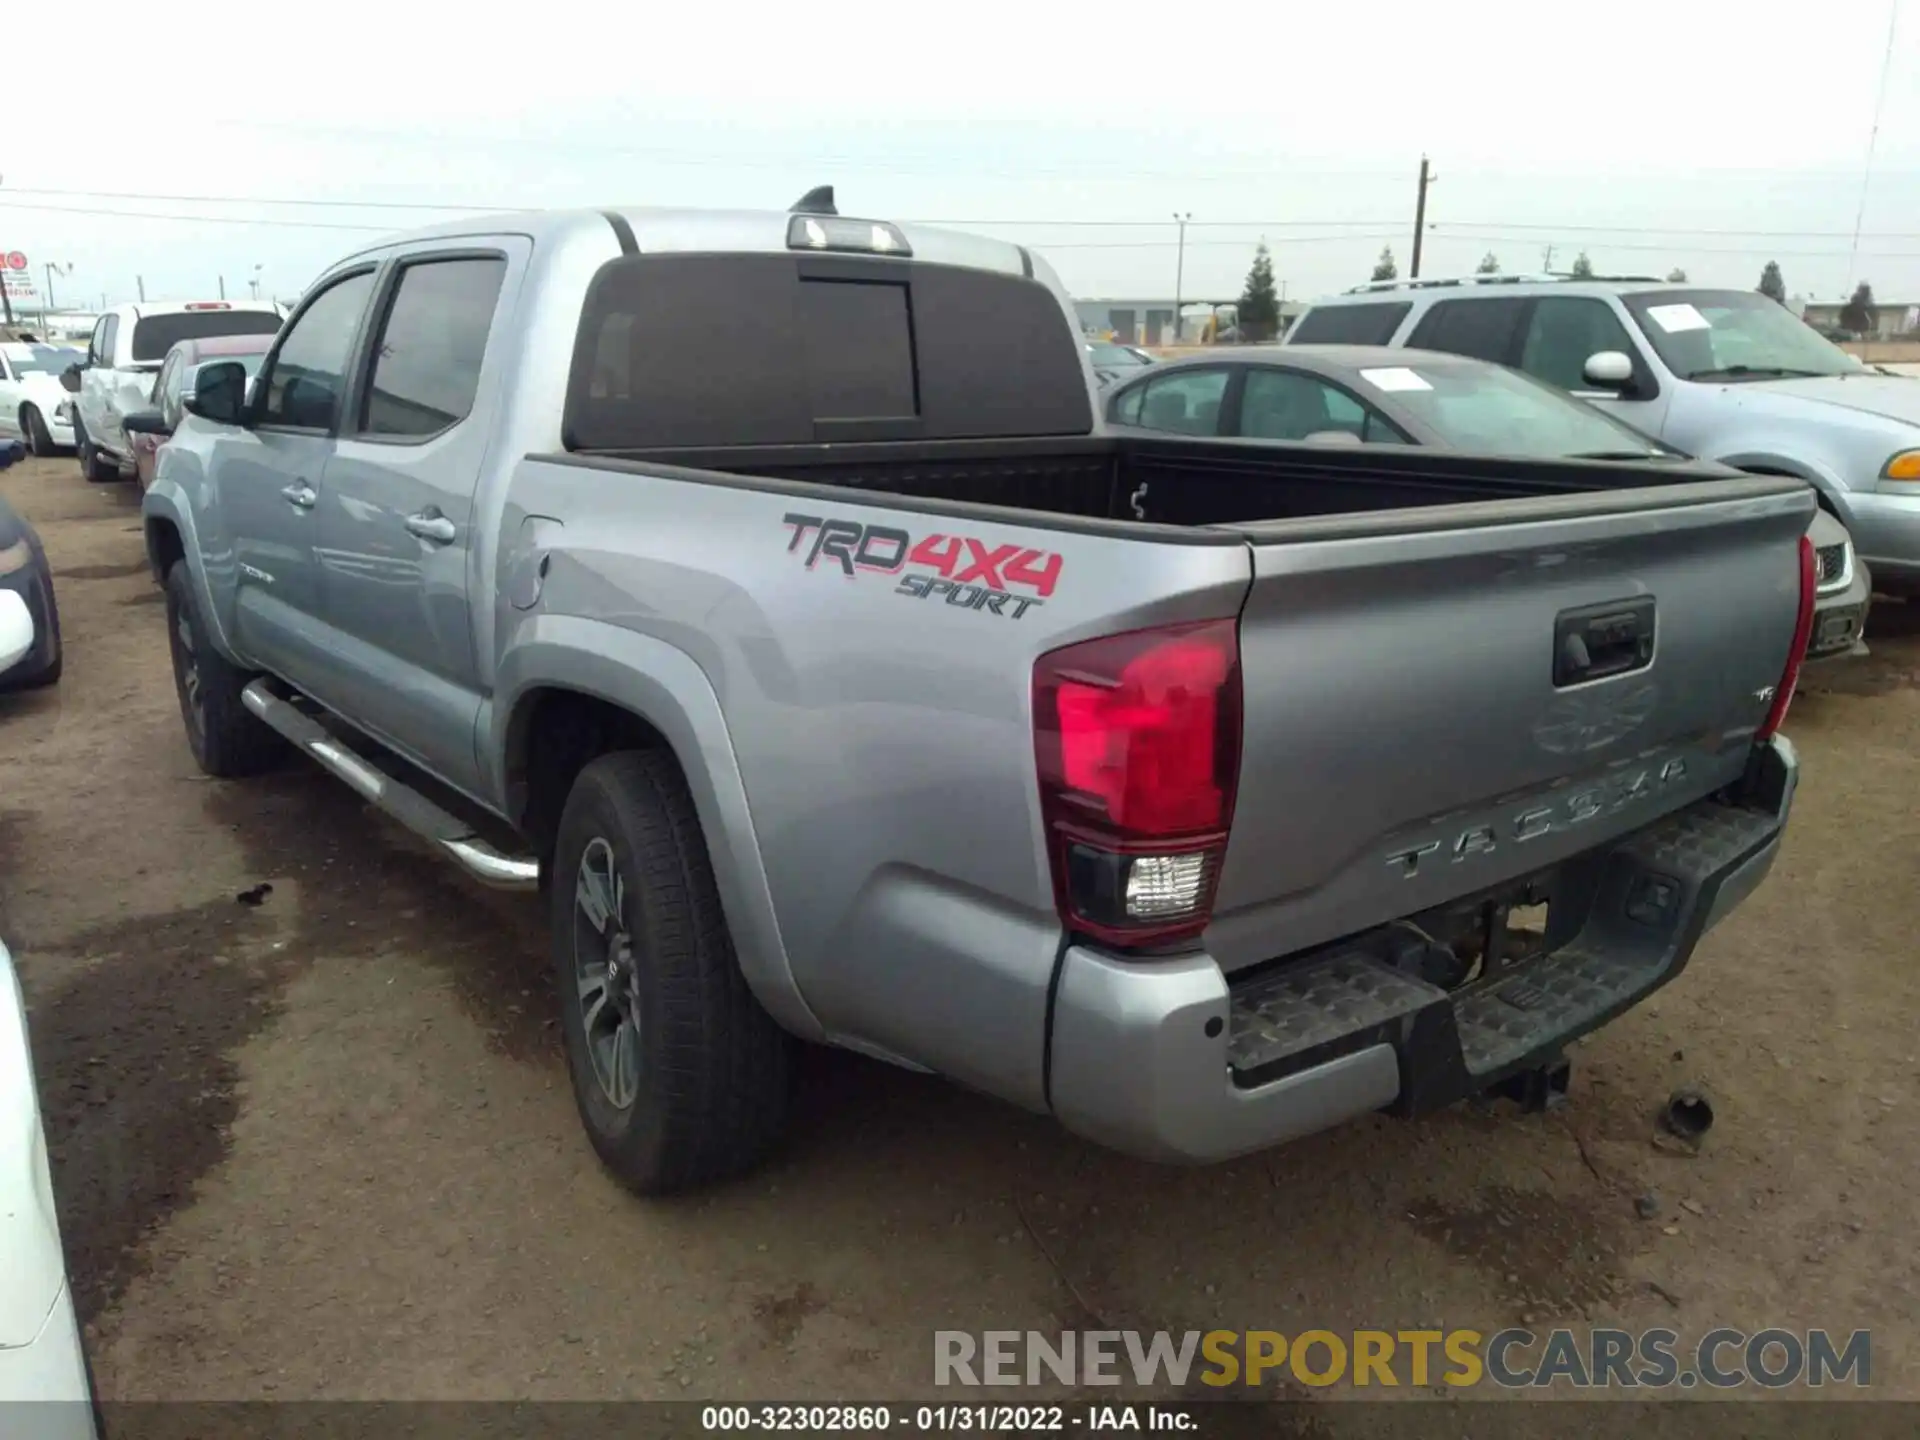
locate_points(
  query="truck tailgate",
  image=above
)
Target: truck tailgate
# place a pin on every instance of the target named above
(1441, 701)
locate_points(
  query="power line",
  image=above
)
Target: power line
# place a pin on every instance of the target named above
(194, 219)
(1074, 222)
(1493, 235)
(1873, 137)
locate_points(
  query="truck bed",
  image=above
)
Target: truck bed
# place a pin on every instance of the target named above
(1173, 481)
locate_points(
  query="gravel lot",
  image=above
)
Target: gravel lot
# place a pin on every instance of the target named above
(322, 1146)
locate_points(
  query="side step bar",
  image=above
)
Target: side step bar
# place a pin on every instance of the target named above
(405, 804)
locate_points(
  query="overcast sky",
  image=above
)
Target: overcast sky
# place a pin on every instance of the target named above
(1705, 135)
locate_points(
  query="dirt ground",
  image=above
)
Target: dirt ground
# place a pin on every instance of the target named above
(322, 1146)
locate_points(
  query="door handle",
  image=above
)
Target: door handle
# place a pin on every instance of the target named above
(301, 494)
(430, 524)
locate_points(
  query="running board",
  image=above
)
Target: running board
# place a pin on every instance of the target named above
(455, 837)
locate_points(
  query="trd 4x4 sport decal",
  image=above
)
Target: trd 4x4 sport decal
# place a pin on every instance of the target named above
(957, 569)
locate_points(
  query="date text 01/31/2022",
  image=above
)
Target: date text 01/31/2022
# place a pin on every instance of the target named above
(944, 1419)
(965, 572)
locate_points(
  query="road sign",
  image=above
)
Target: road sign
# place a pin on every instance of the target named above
(19, 288)
(16, 260)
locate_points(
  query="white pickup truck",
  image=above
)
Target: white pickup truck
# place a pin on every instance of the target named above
(128, 346)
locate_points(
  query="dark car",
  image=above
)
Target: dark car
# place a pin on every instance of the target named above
(1376, 395)
(173, 381)
(24, 570)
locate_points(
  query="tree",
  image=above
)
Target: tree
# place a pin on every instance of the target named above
(1259, 303)
(1771, 285)
(1582, 267)
(1384, 268)
(1677, 275)
(1857, 314)
(1489, 264)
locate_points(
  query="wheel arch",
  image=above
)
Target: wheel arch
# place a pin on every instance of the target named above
(1830, 493)
(570, 689)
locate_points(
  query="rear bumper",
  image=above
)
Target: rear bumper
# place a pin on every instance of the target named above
(1167, 1060)
(1886, 534)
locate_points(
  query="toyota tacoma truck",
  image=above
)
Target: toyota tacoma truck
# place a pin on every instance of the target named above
(762, 588)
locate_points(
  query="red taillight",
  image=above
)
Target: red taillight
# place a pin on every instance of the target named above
(1802, 633)
(1137, 740)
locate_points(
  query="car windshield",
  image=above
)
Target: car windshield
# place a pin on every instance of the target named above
(43, 360)
(1734, 335)
(1492, 410)
(1107, 356)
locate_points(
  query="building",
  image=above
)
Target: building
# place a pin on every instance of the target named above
(1150, 322)
(1892, 319)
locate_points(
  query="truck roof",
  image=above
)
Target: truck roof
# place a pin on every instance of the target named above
(663, 230)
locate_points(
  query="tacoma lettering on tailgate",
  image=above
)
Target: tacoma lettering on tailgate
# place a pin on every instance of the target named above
(959, 570)
(1604, 797)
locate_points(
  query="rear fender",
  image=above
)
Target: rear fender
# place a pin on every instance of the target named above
(666, 688)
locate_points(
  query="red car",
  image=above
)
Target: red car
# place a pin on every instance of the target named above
(176, 378)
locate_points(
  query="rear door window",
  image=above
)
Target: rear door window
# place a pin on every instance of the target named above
(1349, 324)
(154, 335)
(1185, 402)
(426, 368)
(1291, 405)
(1485, 329)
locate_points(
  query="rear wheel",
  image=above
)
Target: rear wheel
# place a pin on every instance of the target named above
(679, 1076)
(96, 467)
(227, 739)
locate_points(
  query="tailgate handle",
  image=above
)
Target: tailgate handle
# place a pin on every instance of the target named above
(1596, 641)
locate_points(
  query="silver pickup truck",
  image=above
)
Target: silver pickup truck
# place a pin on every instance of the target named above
(762, 588)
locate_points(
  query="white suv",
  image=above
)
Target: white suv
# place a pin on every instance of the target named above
(128, 346)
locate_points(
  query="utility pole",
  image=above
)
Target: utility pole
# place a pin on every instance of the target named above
(223, 287)
(1546, 261)
(1427, 177)
(6, 302)
(140, 284)
(1179, 271)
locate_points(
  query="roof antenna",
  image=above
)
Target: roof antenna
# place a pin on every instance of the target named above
(817, 201)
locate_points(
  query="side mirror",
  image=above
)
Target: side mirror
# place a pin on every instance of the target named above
(70, 379)
(219, 393)
(1608, 370)
(146, 422)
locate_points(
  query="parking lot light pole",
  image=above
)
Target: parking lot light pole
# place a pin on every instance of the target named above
(1179, 270)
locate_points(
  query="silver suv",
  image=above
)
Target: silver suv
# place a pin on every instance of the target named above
(1726, 375)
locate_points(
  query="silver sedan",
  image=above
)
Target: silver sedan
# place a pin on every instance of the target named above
(1373, 395)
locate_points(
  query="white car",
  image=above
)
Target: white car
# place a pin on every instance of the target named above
(115, 376)
(46, 1390)
(32, 403)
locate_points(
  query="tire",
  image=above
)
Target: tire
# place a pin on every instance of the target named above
(700, 1092)
(39, 438)
(98, 469)
(226, 738)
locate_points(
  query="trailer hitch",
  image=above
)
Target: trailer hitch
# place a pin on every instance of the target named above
(1540, 1088)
